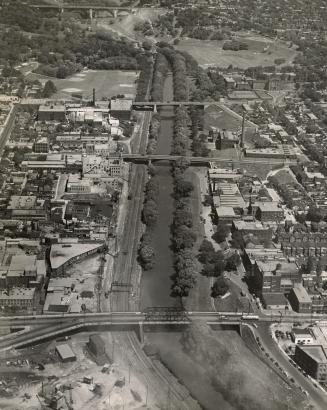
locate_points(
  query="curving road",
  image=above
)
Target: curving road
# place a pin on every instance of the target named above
(318, 397)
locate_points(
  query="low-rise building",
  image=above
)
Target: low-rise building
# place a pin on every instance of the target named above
(77, 185)
(21, 298)
(41, 145)
(274, 301)
(65, 353)
(313, 360)
(269, 212)
(252, 227)
(98, 166)
(226, 139)
(121, 108)
(302, 336)
(277, 277)
(53, 112)
(300, 299)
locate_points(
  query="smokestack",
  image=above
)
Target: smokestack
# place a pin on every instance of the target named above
(243, 129)
(93, 97)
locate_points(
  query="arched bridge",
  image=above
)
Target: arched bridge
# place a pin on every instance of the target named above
(91, 8)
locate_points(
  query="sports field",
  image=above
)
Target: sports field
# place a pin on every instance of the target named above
(210, 53)
(107, 83)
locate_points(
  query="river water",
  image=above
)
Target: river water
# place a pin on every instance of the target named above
(156, 283)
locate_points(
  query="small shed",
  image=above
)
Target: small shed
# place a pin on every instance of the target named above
(65, 353)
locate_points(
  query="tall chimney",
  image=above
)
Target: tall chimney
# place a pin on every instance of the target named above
(93, 97)
(243, 129)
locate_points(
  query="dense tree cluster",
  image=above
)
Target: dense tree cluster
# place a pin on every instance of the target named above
(221, 233)
(145, 77)
(213, 262)
(186, 269)
(199, 146)
(235, 45)
(144, 27)
(153, 133)
(220, 287)
(161, 68)
(150, 207)
(183, 235)
(49, 89)
(181, 140)
(178, 64)
(146, 252)
(61, 46)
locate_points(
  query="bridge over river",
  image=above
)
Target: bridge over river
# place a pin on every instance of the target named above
(36, 328)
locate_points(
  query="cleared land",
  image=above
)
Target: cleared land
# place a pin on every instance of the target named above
(210, 53)
(124, 25)
(219, 118)
(107, 83)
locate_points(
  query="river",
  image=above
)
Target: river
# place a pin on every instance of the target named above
(156, 283)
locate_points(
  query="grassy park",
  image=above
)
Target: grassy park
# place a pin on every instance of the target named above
(211, 53)
(107, 83)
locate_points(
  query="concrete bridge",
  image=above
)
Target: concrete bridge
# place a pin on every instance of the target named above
(153, 105)
(90, 8)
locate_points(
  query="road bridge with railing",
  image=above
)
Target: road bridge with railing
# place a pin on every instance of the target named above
(145, 159)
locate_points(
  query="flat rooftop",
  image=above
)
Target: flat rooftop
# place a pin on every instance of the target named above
(317, 352)
(301, 294)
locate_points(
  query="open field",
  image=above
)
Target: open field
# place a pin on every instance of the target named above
(210, 53)
(107, 83)
(216, 117)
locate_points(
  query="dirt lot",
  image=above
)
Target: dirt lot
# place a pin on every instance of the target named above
(210, 53)
(107, 83)
(103, 393)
